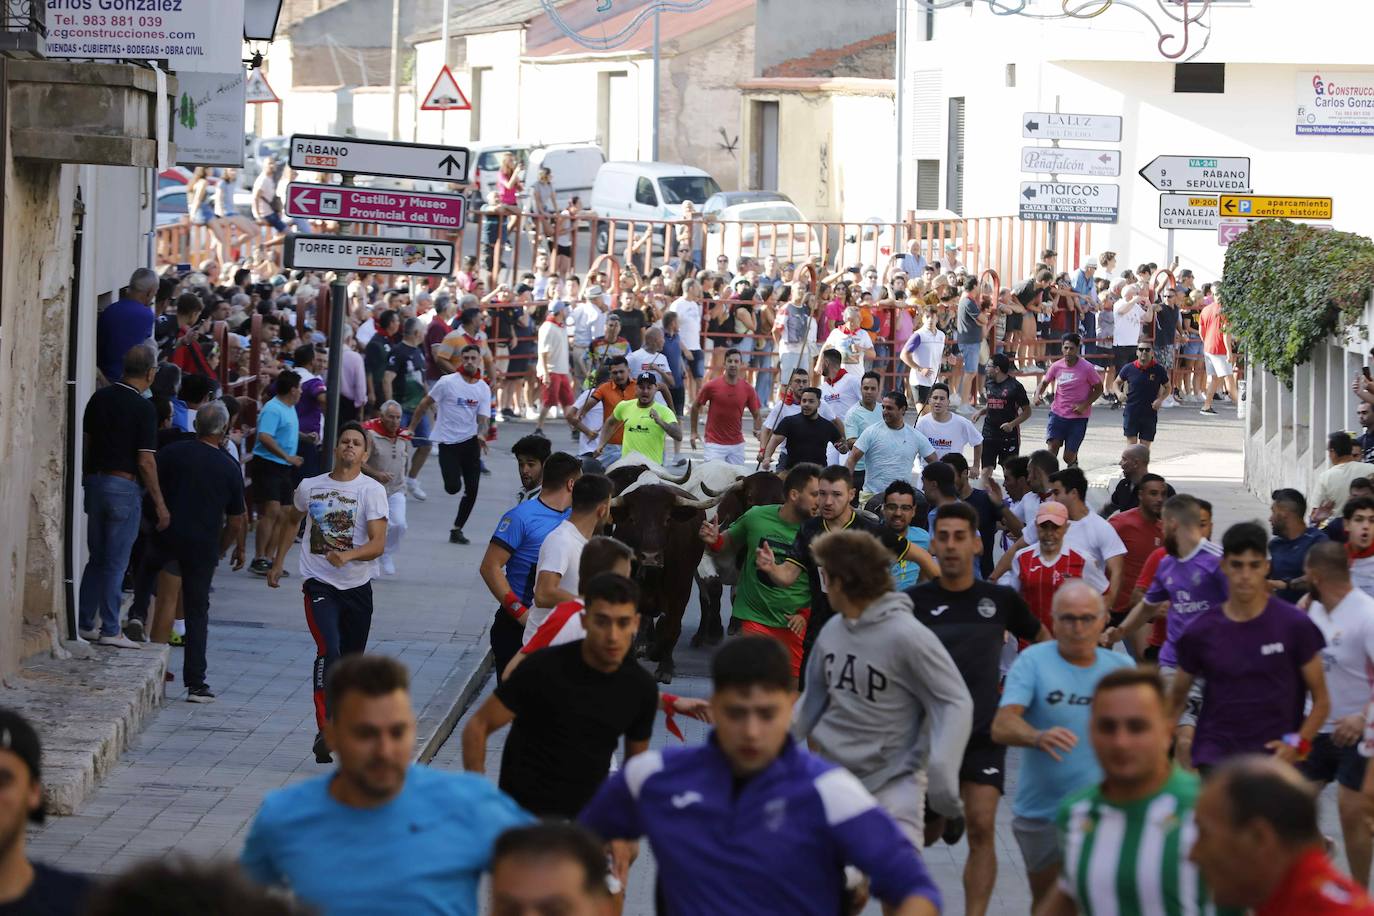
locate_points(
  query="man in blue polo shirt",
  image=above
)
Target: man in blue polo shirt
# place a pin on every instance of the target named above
(125, 323)
(1288, 548)
(509, 563)
(752, 822)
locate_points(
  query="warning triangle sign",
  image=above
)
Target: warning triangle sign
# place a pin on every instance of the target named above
(256, 91)
(445, 95)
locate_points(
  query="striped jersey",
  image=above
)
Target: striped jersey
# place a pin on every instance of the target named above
(1038, 578)
(1132, 859)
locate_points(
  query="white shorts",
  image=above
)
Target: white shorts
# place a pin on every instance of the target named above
(1218, 365)
(730, 454)
(905, 802)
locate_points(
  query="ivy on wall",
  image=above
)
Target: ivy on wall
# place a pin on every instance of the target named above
(1288, 286)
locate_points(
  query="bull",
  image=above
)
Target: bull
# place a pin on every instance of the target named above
(660, 523)
(716, 571)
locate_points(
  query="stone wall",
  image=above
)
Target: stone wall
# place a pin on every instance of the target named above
(34, 294)
(700, 105)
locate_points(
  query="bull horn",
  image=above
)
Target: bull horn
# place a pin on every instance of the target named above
(709, 492)
(698, 503)
(617, 501)
(676, 480)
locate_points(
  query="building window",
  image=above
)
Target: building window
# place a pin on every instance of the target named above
(1011, 76)
(927, 184)
(478, 100)
(1200, 78)
(954, 158)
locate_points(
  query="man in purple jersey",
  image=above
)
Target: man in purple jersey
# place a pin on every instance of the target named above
(1260, 657)
(1188, 583)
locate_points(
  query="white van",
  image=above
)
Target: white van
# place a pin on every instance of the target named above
(645, 191)
(574, 167)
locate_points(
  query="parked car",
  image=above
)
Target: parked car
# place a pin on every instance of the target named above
(645, 191)
(574, 167)
(719, 201)
(756, 224)
(171, 205)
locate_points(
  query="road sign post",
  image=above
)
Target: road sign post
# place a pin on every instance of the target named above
(374, 205)
(333, 376)
(1053, 125)
(421, 257)
(1074, 202)
(315, 153)
(1198, 173)
(1252, 206)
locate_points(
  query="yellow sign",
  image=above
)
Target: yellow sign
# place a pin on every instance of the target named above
(1254, 207)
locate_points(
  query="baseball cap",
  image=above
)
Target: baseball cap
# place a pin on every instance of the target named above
(558, 308)
(18, 737)
(1052, 512)
(646, 378)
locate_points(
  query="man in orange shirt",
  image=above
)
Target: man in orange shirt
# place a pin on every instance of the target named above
(1216, 349)
(608, 394)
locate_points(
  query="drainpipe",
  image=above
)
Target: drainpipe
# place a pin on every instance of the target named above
(69, 465)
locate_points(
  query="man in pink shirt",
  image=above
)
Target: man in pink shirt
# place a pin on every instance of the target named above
(1216, 347)
(1076, 386)
(728, 396)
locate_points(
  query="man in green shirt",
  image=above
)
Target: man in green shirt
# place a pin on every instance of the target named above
(1126, 841)
(762, 607)
(645, 422)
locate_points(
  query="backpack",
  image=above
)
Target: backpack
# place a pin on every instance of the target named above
(796, 328)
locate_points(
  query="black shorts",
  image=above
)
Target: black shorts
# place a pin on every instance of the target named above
(1140, 423)
(923, 393)
(1000, 448)
(1014, 320)
(985, 761)
(1328, 762)
(1122, 357)
(564, 250)
(272, 481)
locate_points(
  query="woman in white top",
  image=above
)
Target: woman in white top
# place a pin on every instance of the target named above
(687, 307)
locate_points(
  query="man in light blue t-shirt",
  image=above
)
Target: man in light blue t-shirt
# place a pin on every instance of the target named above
(1046, 704)
(889, 448)
(379, 834)
(272, 468)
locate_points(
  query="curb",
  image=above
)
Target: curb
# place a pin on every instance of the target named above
(441, 714)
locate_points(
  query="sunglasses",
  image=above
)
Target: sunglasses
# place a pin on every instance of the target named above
(1142, 349)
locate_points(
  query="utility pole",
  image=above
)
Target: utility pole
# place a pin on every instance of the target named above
(900, 215)
(443, 43)
(395, 69)
(657, 63)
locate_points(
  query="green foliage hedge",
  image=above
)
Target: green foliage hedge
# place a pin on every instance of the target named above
(1288, 286)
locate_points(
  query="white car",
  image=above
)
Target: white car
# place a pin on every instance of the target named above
(639, 191)
(760, 228)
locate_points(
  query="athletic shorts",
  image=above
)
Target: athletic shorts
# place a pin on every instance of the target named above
(564, 250)
(698, 364)
(1218, 365)
(1328, 762)
(904, 800)
(1068, 430)
(1014, 322)
(1000, 448)
(730, 454)
(790, 641)
(1039, 842)
(985, 762)
(558, 390)
(923, 393)
(1140, 423)
(272, 481)
(1122, 357)
(970, 354)
(1193, 706)
(502, 361)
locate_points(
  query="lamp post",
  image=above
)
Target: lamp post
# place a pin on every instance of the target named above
(260, 19)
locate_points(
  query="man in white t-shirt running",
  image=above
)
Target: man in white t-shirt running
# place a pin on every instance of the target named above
(345, 533)
(464, 404)
(949, 431)
(922, 353)
(556, 571)
(841, 389)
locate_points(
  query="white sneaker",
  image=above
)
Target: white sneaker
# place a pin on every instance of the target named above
(90, 635)
(413, 486)
(388, 567)
(119, 641)
(1169, 402)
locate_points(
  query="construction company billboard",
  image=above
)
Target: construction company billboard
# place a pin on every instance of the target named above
(201, 35)
(1336, 104)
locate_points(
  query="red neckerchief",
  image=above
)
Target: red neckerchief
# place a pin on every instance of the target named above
(836, 380)
(375, 426)
(470, 376)
(1359, 554)
(787, 399)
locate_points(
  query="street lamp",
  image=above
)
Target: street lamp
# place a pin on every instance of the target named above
(260, 19)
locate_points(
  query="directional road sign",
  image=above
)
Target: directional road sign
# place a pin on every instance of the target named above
(372, 255)
(1075, 202)
(1052, 125)
(312, 153)
(1063, 160)
(1255, 207)
(1187, 211)
(1228, 230)
(371, 205)
(1198, 173)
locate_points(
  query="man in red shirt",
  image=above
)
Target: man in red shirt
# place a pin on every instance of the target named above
(1259, 845)
(1038, 571)
(727, 396)
(1216, 349)
(440, 326)
(607, 394)
(1142, 531)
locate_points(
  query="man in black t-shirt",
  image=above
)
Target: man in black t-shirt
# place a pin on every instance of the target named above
(203, 487)
(1147, 386)
(1008, 406)
(377, 355)
(835, 512)
(988, 512)
(28, 887)
(806, 434)
(1364, 412)
(404, 382)
(570, 705)
(971, 618)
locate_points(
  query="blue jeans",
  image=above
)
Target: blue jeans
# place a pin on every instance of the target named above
(764, 378)
(113, 509)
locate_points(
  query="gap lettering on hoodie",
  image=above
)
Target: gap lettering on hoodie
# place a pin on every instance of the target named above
(876, 681)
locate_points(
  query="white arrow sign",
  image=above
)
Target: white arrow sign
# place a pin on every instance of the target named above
(312, 153)
(370, 255)
(1187, 211)
(1070, 201)
(1183, 174)
(1099, 163)
(1053, 125)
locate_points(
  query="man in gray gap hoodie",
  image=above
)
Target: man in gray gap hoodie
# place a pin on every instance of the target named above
(875, 678)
